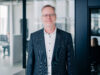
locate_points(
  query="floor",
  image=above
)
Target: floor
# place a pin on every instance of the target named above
(7, 69)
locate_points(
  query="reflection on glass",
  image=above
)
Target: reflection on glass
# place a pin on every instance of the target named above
(95, 22)
(95, 42)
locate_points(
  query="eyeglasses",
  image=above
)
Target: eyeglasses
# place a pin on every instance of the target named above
(51, 15)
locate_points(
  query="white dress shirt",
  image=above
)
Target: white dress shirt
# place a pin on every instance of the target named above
(49, 44)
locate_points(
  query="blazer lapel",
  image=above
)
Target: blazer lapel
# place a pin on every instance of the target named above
(42, 44)
(56, 45)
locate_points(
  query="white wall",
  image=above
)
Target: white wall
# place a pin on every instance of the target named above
(15, 14)
(72, 17)
(17, 17)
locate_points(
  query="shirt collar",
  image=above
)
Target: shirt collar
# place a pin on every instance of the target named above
(51, 33)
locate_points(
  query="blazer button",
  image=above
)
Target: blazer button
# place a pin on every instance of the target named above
(40, 66)
(41, 63)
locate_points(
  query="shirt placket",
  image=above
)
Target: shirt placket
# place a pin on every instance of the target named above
(49, 54)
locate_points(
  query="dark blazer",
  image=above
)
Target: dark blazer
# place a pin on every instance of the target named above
(62, 54)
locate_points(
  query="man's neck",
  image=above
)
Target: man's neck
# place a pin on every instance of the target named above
(49, 30)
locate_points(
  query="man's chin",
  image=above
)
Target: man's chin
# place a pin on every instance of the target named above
(49, 24)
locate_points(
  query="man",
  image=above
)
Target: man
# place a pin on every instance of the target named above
(50, 49)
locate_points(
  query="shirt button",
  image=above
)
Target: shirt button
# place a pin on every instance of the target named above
(50, 36)
(49, 50)
(49, 65)
(49, 43)
(49, 73)
(49, 58)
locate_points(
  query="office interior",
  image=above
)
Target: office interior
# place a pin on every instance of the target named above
(81, 18)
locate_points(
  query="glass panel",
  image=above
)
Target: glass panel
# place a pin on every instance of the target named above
(10, 37)
(95, 42)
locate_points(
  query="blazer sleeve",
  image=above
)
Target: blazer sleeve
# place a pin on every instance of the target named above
(30, 61)
(70, 59)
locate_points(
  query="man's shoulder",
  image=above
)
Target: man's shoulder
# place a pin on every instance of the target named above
(36, 33)
(62, 32)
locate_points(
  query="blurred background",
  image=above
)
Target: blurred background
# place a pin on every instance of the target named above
(20, 18)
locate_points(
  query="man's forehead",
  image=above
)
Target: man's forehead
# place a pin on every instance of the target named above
(47, 8)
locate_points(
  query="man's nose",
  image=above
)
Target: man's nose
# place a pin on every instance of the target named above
(49, 16)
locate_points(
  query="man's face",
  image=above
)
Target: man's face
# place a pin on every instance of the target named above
(48, 16)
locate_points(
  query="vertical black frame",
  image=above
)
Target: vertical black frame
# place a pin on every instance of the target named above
(24, 34)
(81, 37)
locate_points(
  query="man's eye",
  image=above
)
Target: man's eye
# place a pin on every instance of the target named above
(49, 15)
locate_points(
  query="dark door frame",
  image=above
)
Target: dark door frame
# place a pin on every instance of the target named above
(82, 34)
(24, 34)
